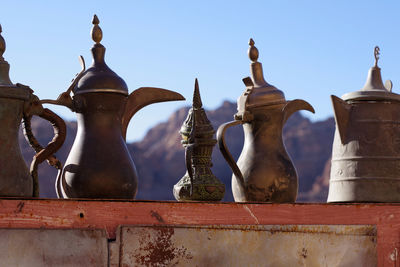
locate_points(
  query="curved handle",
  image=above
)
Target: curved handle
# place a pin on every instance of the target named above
(225, 152)
(46, 153)
(65, 99)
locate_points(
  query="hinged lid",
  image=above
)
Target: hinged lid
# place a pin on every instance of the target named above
(258, 92)
(197, 125)
(99, 77)
(374, 88)
(7, 88)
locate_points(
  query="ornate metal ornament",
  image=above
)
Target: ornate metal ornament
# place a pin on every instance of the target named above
(199, 183)
(264, 171)
(17, 102)
(99, 164)
(366, 146)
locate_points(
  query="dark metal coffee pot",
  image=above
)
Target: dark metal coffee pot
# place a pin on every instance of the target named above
(264, 171)
(17, 102)
(99, 164)
(366, 146)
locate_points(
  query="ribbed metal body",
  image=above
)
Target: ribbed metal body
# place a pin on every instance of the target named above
(366, 165)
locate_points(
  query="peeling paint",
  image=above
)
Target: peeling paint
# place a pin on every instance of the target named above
(251, 214)
(249, 245)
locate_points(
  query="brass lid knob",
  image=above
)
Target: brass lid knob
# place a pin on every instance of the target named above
(4, 66)
(2, 45)
(99, 77)
(258, 92)
(374, 89)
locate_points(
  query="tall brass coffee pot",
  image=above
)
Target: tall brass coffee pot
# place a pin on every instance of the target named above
(264, 171)
(17, 102)
(366, 146)
(99, 164)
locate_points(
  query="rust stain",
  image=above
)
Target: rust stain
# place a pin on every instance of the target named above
(20, 206)
(157, 216)
(304, 253)
(160, 251)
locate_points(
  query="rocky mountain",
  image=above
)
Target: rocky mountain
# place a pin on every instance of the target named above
(159, 157)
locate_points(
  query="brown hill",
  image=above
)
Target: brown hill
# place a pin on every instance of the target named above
(159, 157)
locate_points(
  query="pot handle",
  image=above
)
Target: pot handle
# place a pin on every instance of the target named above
(225, 152)
(46, 153)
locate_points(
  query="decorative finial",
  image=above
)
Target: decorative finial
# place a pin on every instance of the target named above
(196, 96)
(2, 44)
(253, 51)
(97, 33)
(376, 55)
(198, 183)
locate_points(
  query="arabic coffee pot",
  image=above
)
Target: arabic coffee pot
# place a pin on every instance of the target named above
(99, 164)
(264, 171)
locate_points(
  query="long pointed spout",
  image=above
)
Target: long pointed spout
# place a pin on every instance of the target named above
(342, 112)
(145, 96)
(295, 105)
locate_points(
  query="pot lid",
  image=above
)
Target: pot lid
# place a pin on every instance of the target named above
(99, 77)
(7, 88)
(258, 91)
(4, 66)
(374, 89)
(196, 124)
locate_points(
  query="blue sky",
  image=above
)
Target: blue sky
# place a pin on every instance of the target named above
(309, 49)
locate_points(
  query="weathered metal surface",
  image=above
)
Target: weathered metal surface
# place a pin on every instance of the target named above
(198, 183)
(18, 102)
(366, 147)
(99, 164)
(108, 215)
(46, 247)
(264, 171)
(248, 245)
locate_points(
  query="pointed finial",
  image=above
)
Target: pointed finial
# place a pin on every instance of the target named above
(376, 55)
(196, 96)
(97, 33)
(2, 44)
(253, 51)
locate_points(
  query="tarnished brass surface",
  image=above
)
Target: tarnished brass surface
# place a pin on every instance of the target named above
(264, 171)
(366, 146)
(99, 164)
(199, 183)
(18, 102)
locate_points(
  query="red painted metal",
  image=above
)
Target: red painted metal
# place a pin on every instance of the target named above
(82, 214)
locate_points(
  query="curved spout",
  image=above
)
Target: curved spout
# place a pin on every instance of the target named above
(145, 96)
(295, 105)
(342, 112)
